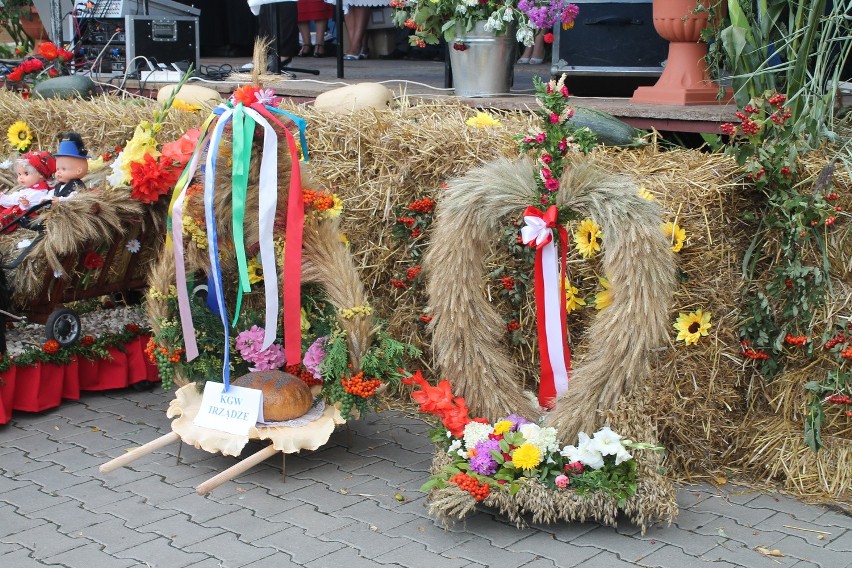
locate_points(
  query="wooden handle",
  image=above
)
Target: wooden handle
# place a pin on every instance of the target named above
(236, 470)
(133, 455)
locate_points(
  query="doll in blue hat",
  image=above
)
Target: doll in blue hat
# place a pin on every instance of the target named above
(72, 163)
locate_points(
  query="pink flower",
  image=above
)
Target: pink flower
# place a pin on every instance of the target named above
(564, 92)
(546, 173)
(314, 356)
(267, 97)
(563, 144)
(570, 110)
(552, 184)
(540, 137)
(575, 468)
(554, 118)
(562, 481)
(269, 359)
(546, 158)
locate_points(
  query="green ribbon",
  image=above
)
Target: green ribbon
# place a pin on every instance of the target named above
(243, 126)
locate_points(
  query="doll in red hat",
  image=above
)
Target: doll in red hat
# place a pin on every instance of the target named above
(34, 169)
(72, 163)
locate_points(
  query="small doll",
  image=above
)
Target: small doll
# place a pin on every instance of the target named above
(34, 169)
(72, 163)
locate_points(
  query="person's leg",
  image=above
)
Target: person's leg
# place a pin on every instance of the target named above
(361, 16)
(288, 30)
(350, 20)
(537, 55)
(305, 32)
(320, 27)
(525, 56)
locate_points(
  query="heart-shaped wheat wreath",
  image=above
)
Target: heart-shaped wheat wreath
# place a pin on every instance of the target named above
(468, 340)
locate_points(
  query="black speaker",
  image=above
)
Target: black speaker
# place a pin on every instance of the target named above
(162, 39)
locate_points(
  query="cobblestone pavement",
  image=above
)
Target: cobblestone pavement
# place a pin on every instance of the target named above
(337, 507)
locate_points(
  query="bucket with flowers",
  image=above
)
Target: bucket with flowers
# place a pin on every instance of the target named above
(482, 34)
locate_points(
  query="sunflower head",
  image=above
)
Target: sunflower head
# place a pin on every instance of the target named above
(692, 326)
(20, 136)
(572, 298)
(603, 298)
(674, 234)
(587, 238)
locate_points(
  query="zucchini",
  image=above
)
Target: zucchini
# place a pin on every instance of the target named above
(610, 130)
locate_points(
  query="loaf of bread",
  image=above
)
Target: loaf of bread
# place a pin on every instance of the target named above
(285, 396)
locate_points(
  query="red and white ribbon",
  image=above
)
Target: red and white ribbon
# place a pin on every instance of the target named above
(549, 300)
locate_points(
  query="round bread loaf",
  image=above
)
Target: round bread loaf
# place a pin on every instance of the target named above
(285, 396)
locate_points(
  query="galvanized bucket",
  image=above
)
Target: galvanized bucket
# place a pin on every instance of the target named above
(486, 66)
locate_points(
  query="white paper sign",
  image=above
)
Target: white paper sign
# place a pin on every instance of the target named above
(234, 411)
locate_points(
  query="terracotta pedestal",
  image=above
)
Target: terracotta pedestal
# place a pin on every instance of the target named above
(684, 80)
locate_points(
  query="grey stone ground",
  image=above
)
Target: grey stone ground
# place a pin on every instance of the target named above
(336, 508)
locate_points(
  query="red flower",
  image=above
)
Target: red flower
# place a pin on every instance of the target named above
(150, 179)
(86, 340)
(425, 319)
(548, 38)
(180, 151)
(64, 54)
(93, 260)
(32, 65)
(439, 400)
(48, 51)
(17, 75)
(53, 72)
(50, 346)
(246, 95)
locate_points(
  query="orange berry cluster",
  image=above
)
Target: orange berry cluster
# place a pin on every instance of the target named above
(424, 205)
(319, 200)
(479, 490)
(154, 352)
(357, 385)
(793, 340)
(300, 371)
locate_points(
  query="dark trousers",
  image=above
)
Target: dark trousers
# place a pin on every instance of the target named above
(279, 21)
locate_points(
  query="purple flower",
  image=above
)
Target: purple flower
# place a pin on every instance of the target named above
(314, 356)
(483, 462)
(517, 421)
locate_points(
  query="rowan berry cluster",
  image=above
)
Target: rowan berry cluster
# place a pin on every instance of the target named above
(359, 386)
(480, 491)
(794, 340)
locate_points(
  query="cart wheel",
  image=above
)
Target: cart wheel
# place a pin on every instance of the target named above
(63, 325)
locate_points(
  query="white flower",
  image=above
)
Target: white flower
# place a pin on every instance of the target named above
(509, 14)
(455, 446)
(133, 246)
(57, 274)
(606, 441)
(587, 454)
(525, 36)
(5, 164)
(470, 3)
(475, 432)
(570, 453)
(265, 96)
(24, 243)
(622, 456)
(542, 438)
(489, 26)
(116, 178)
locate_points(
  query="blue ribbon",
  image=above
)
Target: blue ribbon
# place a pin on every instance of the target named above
(300, 122)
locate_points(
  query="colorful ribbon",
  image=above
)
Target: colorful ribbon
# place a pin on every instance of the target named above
(550, 301)
(243, 128)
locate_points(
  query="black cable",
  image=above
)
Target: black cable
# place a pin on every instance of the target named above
(215, 72)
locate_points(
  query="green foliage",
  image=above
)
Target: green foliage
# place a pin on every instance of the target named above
(619, 481)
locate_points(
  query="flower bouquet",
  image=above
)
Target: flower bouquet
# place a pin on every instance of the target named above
(433, 19)
(519, 467)
(47, 61)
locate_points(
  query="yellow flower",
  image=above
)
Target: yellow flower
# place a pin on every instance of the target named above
(304, 324)
(255, 271)
(335, 210)
(675, 235)
(20, 136)
(96, 165)
(344, 239)
(572, 300)
(692, 326)
(645, 194)
(604, 297)
(142, 143)
(483, 120)
(587, 238)
(502, 427)
(182, 105)
(526, 456)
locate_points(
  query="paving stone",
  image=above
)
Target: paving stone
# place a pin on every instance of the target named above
(627, 548)
(156, 491)
(231, 551)
(245, 525)
(554, 550)
(12, 522)
(691, 543)
(835, 519)
(77, 412)
(7, 547)
(69, 515)
(159, 552)
(345, 459)
(379, 490)
(386, 470)
(171, 470)
(116, 478)
(258, 501)
(415, 555)
(90, 556)
(312, 521)
(804, 564)
(200, 509)
(537, 563)
(672, 556)
(826, 558)
(729, 530)
(495, 528)
(46, 540)
(134, 511)
(326, 500)
(742, 555)
(7, 483)
(270, 479)
(606, 559)
(118, 429)
(401, 457)
(687, 497)
(30, 499)
(799, 511)
(690, 520)
(746, 515)
(370, 512)
(842, 543)
(96, 443)
(303, 548)
(429, 533)
(93, 494)
(566, 532)
(114, 535)
(180, 530)
(368, 540)
(344, 557)
(36, 446)
(21, 558)
(277, 560)
(783, 523)
(478, 548)
(52, 479)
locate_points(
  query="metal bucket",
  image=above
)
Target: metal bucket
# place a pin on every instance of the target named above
(486, 66)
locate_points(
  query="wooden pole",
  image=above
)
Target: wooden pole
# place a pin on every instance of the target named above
(236, 470)
(134, 455)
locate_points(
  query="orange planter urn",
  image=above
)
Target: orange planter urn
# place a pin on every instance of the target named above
(685, 80)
